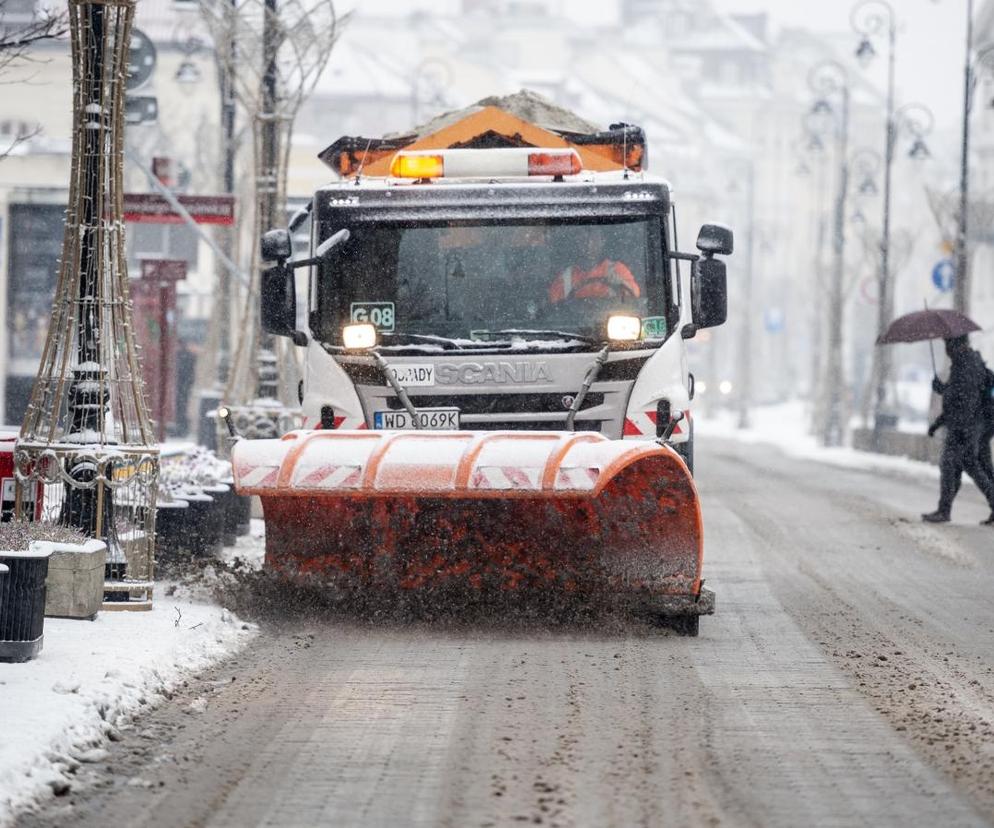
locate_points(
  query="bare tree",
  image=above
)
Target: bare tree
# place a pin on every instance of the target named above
(944, 207)
(16, 43)
(16, 39)
(273, 52)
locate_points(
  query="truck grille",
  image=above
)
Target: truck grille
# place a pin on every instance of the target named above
(600, 411)
(499, 403)
(532, 425)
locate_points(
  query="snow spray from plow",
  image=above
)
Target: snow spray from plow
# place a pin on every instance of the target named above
(495, 511)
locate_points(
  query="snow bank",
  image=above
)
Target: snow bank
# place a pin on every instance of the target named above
(92, 676)
(786, 426)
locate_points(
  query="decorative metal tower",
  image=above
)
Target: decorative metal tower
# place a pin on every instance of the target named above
(87, 450)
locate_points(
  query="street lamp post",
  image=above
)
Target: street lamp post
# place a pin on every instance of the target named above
(810, 145)
(871, 18)
(827, 80)
(961, 288)
(747, 168)
(974, 68)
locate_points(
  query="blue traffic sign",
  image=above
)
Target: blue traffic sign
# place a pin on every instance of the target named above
(773, 319)
(944, 275)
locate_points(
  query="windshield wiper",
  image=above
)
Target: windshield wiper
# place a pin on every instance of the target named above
(542, 334)
(428, 339)
(398, 389)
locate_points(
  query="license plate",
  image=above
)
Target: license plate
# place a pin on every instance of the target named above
(429, 419)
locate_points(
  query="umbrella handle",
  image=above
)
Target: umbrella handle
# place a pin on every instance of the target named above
(931, 348)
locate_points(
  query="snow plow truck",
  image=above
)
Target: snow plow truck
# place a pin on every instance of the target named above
(496, 394)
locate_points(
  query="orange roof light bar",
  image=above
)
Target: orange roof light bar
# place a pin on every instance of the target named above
(556, 162)
(417, 165)
(512, 162)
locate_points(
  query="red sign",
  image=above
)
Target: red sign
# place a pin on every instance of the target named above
(165, 170)
(152, 208)
(164, 270)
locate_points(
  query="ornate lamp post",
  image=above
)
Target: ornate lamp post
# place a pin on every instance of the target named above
(810, 148)
(865, 164)
(744, 170)
(86, 442)
(976, 67)
(829, 81)
(871, 18)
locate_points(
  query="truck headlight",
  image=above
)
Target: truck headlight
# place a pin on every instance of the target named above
(357, 337)
(624, 328)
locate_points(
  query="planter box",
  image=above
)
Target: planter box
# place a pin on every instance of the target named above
(238, 516)
(22, 602)
(221, 492)
(171, 528)
(203, 533)
(75, 583)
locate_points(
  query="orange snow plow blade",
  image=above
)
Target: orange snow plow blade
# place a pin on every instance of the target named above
(490, 511)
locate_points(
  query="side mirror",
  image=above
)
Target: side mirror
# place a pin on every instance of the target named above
(276, 245)
(709, 293)
(278, 300)
(715, 240)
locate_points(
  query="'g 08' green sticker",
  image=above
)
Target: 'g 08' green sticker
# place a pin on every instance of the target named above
(654, 327)
(378, 314)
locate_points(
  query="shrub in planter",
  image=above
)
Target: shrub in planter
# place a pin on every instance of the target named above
(74, 585)
(194, 476)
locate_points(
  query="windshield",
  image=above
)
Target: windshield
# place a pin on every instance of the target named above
(472, 281)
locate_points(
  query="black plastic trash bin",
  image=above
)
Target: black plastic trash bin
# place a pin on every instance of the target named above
(22, 603)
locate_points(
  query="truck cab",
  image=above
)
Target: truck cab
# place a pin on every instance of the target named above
(505, 288)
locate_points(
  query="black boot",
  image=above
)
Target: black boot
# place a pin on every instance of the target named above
(938, 516)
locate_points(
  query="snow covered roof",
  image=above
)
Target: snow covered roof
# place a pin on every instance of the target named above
(724, 35)
(525, 104)
(171, 22)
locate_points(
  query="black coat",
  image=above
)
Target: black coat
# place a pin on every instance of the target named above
(963, 406)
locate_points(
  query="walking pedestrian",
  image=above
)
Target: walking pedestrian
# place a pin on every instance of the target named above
(987, 427)
(963, 408)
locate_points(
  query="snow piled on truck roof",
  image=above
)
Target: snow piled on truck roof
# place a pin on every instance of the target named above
(526, 104)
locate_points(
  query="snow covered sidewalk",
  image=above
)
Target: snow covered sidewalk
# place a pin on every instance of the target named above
(93, 676)
(785, 426)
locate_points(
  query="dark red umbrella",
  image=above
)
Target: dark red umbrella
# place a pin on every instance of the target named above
(928, 324)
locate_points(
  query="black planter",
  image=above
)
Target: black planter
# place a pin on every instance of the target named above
(22, 604)
(170, 528)
(203, 524)
(222, 493)
(238, 517)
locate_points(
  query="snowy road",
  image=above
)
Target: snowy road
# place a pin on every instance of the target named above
(846, 680)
